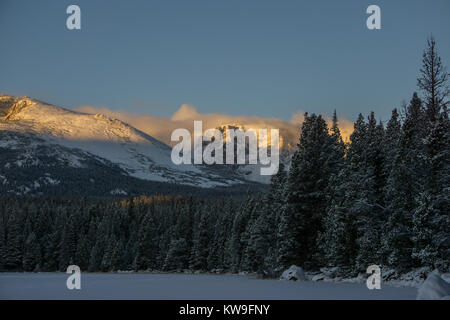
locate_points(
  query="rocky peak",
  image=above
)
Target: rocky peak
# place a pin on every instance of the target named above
(6, 102)
(16, 105)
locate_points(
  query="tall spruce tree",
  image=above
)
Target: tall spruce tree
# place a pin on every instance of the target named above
(68, 244)
(262, 250)
(219, 256)
(32, 253)
(201, 246)
(12, 254)
(433, 81)
(390, 142)
(435, 210)
(403, 186)
(306, 198)
(147, 244)
(239, 233)
(3, 218)
(334, 241)
(434, 200)
(368, 206)
(182, 235)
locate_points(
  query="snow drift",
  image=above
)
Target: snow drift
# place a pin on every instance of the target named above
(434, 288)
(294, 273)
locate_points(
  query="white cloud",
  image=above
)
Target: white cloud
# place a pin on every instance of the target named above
(162, 127)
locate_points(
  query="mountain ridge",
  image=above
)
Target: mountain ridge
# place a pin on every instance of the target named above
(29, 128)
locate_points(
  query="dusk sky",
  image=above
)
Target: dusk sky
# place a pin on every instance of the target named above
(253, 57)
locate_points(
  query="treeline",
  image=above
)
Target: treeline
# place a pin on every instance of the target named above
(157, 232)
(383, 198)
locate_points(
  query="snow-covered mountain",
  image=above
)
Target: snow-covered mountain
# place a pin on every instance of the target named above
(252, 172)
(40, 138)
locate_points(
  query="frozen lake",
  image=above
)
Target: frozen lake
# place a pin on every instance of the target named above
(183, 286)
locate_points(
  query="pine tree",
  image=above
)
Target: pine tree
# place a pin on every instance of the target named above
(52, 247)
(95, 258)
(117, 255)
(178, 255)
(306, 195)
(2, 236)
(106, 264)
(438, 189)
(268, 223)
(253, 241)
(12, 257)
(338, 240)
(327, 241)
(201, 247)
(181, 243)
(367, 208)
(390, 142)
(424, 250)
(147, 244)
(100, 244)
(83, 252)
(337, 147)
(433, 81)
(43, 231)
(68, 244)
(239, 233)
(404, 185)
(219, 256)
(32, 254)
(260, 254)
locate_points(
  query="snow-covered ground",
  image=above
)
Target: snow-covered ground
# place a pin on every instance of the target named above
(414, 278)
(184, 286)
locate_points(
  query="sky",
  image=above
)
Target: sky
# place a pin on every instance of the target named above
(261, 58)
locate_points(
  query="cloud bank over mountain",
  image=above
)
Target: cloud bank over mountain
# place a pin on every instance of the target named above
(162, 127)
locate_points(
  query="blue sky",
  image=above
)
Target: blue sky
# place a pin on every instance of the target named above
(240, 57)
